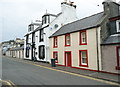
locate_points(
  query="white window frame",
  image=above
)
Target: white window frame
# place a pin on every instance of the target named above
(83, 36)
(117, 25)
(82, 57)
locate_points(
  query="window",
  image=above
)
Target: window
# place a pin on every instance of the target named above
(45, 19)
(83, 38)
(55, 43)
(27, 50)
(55, 56)
(30, 27)
(83, 58)
(67, 40)
(41, 52)
(118, 57)
(41, 35)
(118, 25)
(33, 37)
(27, 39)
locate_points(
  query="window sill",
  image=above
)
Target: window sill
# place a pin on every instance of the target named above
(67, 45)
(56, 62)
(117, 68)
(55, 47)
(83, 65)
(83, 44)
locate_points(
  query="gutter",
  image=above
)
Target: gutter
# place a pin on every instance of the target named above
(36, 30)
(96, 26)
(110, 44)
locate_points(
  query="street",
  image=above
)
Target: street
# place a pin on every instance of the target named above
(21, 73)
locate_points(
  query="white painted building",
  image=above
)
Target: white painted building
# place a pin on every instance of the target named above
(37, 40)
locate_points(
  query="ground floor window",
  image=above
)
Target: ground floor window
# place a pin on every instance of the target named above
(55, 56)
(118, 57)
(83, 58)
(27, 52)
(41, 52)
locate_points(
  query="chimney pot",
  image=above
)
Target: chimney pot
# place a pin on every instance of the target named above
(65, 0)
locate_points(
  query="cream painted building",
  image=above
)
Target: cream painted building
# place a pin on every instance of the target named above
(78, 46)
(83, 44)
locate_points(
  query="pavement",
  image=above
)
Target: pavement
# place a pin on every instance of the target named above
(99, 75)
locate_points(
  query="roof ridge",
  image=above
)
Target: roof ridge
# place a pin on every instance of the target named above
(83, 18)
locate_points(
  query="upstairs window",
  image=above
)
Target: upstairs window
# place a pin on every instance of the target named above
(118, 25)
(27, 39)
(41, 52)
(41, 35)
(55, 56)
(83, 38)
(55, 42)
(67, 40)
(33, 37)
(83, 58)
(118, 58)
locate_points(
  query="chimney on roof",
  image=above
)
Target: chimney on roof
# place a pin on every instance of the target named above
(111, 9)
(109, 1)
(68, 3)
(68, 6)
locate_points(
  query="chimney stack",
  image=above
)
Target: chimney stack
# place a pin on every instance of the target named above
(111, 8)
(109, 1)
(69, 3)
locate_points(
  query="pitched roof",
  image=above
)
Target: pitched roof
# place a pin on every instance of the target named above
(85, 23)
(17, 48)
(113, 39)
(49, 14)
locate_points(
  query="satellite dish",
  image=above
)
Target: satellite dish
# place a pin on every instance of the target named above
(56, 25)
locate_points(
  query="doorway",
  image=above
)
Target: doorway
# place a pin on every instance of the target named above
(68, 59)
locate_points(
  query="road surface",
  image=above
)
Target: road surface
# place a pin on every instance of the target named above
(21, 73)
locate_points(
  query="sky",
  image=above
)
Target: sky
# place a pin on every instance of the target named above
(16, 15)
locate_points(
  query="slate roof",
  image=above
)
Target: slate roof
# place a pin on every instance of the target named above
(34, 24)
(82, 24)
(17, 48)
(113, 39)
(49, 14)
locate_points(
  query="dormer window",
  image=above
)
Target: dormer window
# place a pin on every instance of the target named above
(45, 19)
(118, 25)
(30, 28)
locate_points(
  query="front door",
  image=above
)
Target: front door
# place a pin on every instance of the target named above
(68, 60)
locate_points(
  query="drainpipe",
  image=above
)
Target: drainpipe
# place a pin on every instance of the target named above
(97, 50)
(45, 46)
